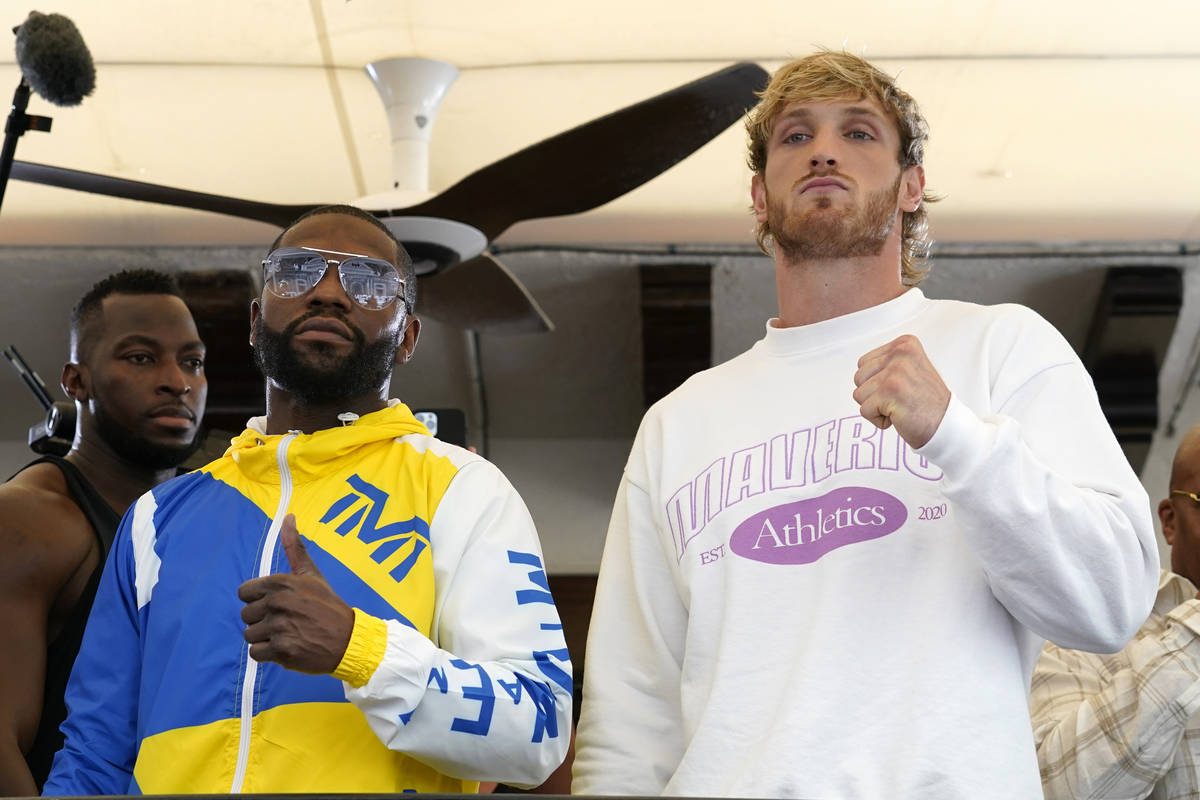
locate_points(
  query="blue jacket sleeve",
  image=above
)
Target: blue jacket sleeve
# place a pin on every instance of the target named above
(101, 726)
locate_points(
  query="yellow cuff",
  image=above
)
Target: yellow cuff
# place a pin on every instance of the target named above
(364, 651)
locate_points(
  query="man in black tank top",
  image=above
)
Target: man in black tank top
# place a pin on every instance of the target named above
(137, 378)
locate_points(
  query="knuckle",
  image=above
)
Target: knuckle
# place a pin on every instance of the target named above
(285, 648)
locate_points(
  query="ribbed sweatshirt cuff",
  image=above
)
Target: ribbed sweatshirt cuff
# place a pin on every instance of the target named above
(960, 444)
(364, 652)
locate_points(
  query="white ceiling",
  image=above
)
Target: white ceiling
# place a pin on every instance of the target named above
(1051, 119)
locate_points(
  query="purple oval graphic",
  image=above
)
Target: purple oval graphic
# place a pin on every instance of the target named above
(802, 532)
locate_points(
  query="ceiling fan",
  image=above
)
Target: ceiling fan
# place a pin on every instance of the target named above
(447, 234)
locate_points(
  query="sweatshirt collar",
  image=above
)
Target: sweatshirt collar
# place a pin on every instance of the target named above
(782, 342)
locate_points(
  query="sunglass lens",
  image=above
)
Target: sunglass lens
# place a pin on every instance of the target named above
(291, 274)
(370, 282)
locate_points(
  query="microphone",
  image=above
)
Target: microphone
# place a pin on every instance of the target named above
(54, 60)
(56, 64)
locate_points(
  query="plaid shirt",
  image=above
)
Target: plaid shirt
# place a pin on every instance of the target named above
(1125, 725)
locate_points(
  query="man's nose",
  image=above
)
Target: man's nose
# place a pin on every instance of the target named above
(173, 380)
(824, 152)
(329, 291)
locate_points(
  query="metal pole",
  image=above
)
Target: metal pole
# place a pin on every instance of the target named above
(479, 394)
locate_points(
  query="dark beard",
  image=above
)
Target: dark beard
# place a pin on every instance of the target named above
(323, 378)
(141, 451)
(823, 233)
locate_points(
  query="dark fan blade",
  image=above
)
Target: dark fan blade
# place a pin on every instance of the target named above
(65, 178)
(600, 160)
(482, 294)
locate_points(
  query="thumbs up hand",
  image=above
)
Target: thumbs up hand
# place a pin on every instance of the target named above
(294, 618)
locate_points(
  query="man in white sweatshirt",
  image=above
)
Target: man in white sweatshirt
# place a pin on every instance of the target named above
(833, 559)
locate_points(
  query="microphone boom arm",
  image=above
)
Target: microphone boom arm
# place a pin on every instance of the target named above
(18, 122)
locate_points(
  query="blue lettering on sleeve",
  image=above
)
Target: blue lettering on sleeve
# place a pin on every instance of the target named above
(536, 576)
(546, 723)
(486, 696)
(513, 689)
(438, 675)
(528, 559)
(552, 670)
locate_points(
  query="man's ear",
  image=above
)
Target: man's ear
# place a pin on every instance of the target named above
(758, 198)
(1166, 515)
(255, 313)
(912, 188)
(408, 340)
(76, 381)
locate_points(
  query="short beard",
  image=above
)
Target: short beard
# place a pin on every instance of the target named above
(824, 233)
(322, 378)
(139, 450)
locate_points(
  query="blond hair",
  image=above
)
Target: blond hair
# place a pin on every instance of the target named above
(825, 76)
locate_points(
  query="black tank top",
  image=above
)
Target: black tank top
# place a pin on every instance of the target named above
(60, 653)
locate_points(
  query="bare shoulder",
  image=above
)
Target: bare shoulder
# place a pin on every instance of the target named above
(44, 536)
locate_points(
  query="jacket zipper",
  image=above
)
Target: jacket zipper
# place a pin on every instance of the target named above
(264, 568)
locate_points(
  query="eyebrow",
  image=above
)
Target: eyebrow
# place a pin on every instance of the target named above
(149, 341)
(853, 111)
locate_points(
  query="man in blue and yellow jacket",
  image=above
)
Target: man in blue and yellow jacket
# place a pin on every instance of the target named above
(341, 602)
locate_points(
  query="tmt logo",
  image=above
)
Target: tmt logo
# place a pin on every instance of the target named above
(365, 505)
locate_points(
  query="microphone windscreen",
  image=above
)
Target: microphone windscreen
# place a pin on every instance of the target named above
(54, 60)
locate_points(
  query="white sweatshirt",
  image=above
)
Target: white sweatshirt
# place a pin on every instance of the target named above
(793, 603)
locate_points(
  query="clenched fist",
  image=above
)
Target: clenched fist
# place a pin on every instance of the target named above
(897, 385)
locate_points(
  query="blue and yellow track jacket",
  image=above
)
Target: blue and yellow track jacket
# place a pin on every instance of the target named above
(456, 672)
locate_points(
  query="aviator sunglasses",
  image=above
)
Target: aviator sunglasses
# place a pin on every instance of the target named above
(371, 282)
(1194, 497)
